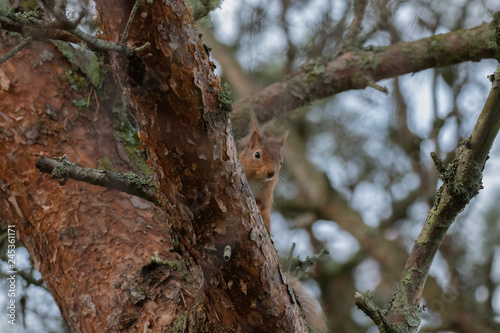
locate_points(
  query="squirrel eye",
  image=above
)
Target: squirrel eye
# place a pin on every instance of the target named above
(281, 163)
(257, 154)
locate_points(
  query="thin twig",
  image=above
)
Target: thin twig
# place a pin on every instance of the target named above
(25, 42)
(63, 29)
(98, 43)
(439, 164)
(129, 22)
(143, 47)
(355, 27)
(290, 256)
(90, 94)
(378, 87)
(364, 301)
(105, 45)
(183, 300)
(96, 100)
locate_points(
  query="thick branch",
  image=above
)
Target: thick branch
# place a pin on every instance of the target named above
(462, 181)
(125, 182)
(359, 69)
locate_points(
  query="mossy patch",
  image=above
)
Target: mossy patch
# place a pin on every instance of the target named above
(225, 98)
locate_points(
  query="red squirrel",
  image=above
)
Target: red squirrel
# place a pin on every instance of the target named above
(262, 159)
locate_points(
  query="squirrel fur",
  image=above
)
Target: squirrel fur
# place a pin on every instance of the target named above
(262, 159)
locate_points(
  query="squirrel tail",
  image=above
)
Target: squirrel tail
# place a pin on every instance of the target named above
(315, 317)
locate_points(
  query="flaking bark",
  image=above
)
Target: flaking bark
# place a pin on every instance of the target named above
(174, 94)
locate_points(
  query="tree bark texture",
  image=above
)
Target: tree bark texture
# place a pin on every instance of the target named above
(174, 94)
(94, 246)
(89, 243)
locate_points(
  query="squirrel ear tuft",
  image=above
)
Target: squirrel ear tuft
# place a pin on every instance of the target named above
(254, 123)
(254, 131)
(283, 138)
(254, 138)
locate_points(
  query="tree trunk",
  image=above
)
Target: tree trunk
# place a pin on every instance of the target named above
(174, 95)
(113, 262)
(94, 246)
(89, 243)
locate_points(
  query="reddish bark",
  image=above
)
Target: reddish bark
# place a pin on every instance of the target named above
(89, 243)
(95, 253)
(174, 93)
(93, 246)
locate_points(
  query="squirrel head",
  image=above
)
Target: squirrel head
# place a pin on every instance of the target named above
(262, 156)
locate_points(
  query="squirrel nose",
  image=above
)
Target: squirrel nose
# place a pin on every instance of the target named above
(270, 174)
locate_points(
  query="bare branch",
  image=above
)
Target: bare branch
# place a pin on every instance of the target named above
(129, 182)
(355, 27)
(359, 69)
(129, 22)
(98, 43)
(462, 180)
(24, 42)
(34, 27)
(378, 87)
(364, 301)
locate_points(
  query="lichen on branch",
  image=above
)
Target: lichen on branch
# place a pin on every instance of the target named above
(62, 169)
(462, 180)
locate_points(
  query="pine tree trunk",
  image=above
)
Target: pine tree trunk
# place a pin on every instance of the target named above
(94, 246)
(174, 94)
(89, 243)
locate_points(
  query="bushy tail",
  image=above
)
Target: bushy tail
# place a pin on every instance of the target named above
(315, 317)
